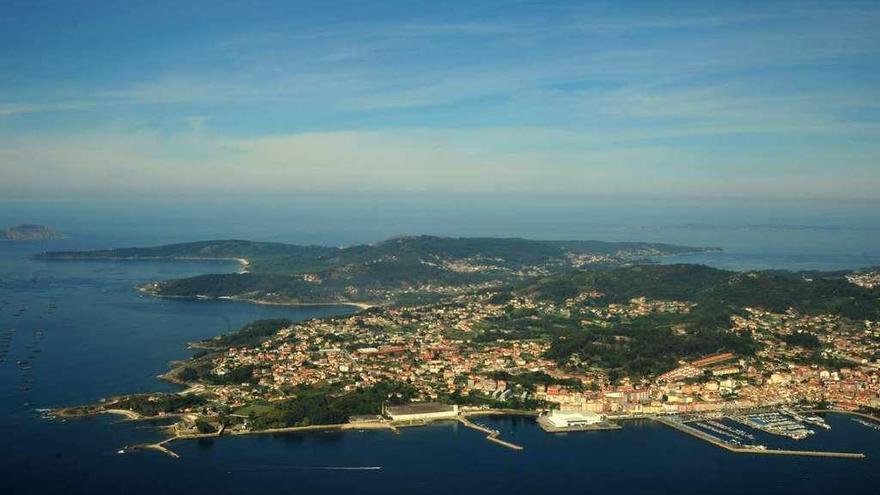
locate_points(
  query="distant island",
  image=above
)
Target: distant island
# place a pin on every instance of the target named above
(397, 270)
(29, 232)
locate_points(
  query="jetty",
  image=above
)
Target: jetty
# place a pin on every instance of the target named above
(491, 435)
(753, 450)
(162, 448)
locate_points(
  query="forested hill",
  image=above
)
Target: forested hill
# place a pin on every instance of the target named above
(717, 290)
(279, 258)
(202, 249)
(381, 272)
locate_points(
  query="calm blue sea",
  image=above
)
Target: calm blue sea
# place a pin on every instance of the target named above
(86, 333)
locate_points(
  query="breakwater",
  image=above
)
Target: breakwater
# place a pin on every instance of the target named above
(491, 435)
(741, 450)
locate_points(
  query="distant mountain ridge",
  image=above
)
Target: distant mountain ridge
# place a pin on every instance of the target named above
(399, 268)
(30, 232)
(483, 247)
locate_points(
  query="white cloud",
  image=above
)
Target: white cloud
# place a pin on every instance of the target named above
(490, 160)
(612, 105)
(24, 108)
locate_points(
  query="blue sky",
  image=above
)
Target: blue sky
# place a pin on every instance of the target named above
(774, 99)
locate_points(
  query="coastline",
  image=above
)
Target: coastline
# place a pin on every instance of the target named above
(124, 412)
(388, 425)
(245, 268)
(244, 262)
(463, 418)
(360, 305)
(372, 425)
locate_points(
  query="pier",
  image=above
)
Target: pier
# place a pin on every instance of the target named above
(491, 435)
(162, 448)
(159, 447)
(742, 450)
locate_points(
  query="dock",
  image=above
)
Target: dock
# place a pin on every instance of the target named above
(741, 450)
(491, 435)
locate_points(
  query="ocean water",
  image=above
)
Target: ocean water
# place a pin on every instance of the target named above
(754, 234)
(86, 334)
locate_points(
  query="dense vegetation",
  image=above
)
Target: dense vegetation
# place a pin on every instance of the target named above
(531, 380)
(680, 282)
(202, 370)
(344, 274)
(802, 339)
(202, 249)
(249, 335)
(327, 405)
(645, 347)
(204, 427)
(723, 290)
(649, 345)
(153, 404)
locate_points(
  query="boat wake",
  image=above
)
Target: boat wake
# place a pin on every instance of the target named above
(310, 468)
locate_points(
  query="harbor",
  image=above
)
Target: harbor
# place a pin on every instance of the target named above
(753, 449)
(742, 435)
(744, 432)
(775, 423)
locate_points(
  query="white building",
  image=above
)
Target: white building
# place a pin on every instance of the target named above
(572, 419)
(421, 411)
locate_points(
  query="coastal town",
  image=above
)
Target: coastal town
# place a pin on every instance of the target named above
(457, 359)
(579, 349)
(433, 348)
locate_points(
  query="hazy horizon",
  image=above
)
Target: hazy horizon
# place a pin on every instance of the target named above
(672, 100)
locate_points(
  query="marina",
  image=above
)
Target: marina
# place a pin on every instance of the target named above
(730, 446)
(775, 423)
(788, 423)
(812, 420)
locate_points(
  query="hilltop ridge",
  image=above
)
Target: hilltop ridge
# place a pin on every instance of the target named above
(398, 269)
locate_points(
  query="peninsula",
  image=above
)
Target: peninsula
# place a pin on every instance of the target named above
(400, 269)
(587, 337)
